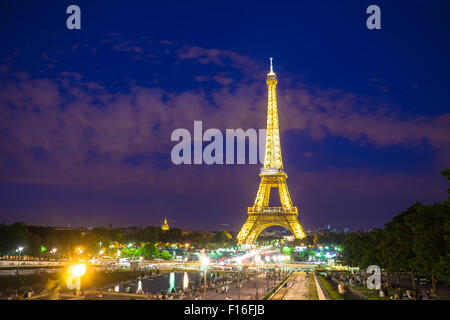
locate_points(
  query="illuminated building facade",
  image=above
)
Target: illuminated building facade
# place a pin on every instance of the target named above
(165, 225)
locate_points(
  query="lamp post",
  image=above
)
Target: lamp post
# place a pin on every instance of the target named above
(274, 274)
(76, 272)
(19, 249)
(53, 251)
(257, 260)
(279, 259)
(79, 251)
(239, 279)
(267, 273)
(288, 258)
(205, 262)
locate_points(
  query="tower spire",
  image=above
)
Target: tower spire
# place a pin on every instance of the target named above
(272, 158)
(271, 73)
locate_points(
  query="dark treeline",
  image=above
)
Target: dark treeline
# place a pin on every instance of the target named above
(415, 241)
(34, 238)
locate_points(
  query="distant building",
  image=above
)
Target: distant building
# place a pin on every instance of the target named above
(326, 229)
(165, 225)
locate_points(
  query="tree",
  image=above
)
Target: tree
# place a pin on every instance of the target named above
(149, 251)
(165, 255)
(371, 248)
(304, 255)
(352, 250)
(401, 238)
(430, 225)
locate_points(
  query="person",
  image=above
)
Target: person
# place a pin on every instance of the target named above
(409, 294)
(400, 293)
(341, 288)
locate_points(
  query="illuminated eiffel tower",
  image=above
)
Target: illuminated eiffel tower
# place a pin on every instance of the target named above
(261, 216)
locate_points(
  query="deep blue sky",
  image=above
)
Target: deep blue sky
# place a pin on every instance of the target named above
(86, 115)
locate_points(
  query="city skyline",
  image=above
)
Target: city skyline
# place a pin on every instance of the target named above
(86, 115)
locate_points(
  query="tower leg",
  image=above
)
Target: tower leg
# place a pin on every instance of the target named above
(246, 230)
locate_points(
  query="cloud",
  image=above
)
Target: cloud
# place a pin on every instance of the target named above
(86, 131)
(127, 47)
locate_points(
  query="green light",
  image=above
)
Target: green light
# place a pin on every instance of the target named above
(43, 249)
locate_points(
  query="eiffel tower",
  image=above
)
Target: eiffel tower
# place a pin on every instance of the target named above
(261, 216)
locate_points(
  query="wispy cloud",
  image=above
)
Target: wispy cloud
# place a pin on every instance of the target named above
(87, 132)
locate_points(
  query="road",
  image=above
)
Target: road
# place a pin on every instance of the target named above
(297, 289)
(248, 290)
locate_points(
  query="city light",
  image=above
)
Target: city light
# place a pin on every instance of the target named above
(78, 270)
(205, 261)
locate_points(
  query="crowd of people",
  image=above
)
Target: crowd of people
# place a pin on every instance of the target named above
(383, 290)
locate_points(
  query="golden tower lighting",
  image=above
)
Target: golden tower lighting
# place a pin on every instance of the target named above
(261, 216)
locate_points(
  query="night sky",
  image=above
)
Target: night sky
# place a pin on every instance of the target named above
(86, 115)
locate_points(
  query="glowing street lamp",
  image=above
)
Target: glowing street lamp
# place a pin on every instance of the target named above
(257, 261)
(79, 251)
(19, 249)
(205, 263)
(239, 262)
(267, 258)
(53, 251)
(76, 271)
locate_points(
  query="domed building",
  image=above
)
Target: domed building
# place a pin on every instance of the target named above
(165, 225)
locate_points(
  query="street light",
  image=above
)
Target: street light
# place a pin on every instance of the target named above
(288, 258)
(267, 258)
(76, 272)
(205, 262)
(80, 251)
(19, 249)
(53, 251)
(274, 258)
(239, 262)
(257, 260)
